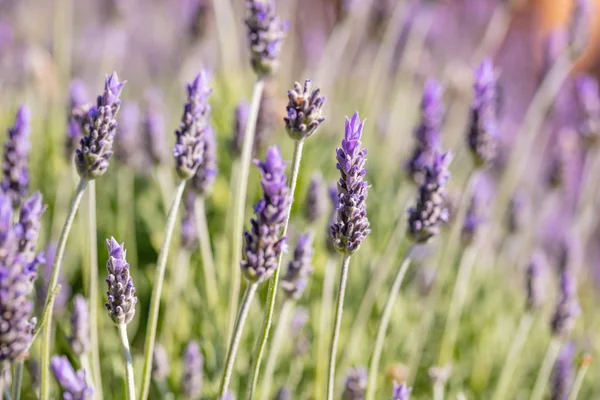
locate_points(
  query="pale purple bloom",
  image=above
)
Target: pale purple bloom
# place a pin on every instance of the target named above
(155, 135)
(352, 224)
(563, 159)
(535, 282)
(315, 205)
(265, 33)
(73, 384)
(567, 309)
(16, 158)
(80, 326)
(128, 136)
(284, 393)
(239, 127)
(193, 367)
(562, 378)
(204, 178)
(28, 227)
(121, 291)
(401, 391)
(160, 364)
(299, 268)
(264, 243)
(588, 97)
(518, 213)
(227, 396)
(355, 385)
(304, 111)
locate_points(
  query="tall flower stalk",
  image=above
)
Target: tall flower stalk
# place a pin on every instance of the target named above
(304, 116)
(265, 35)
(264, 244)
(351, 226)
(188, 153)
(91, 159)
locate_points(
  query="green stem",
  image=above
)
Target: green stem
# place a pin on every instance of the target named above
(513, 356)
(210, 278)
(585, 364)
(280, 331)
(171, 318)
(237, 335)
(335, 334)
(129, 381)
(87, 367)
(324, 327)
(17, 380)
(93, 296)
(161, 266)
(240, 201)
(60, 252)
(261, 344)
(546, 369)
(383, 325)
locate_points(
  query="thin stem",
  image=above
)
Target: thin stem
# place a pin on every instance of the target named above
(546, 369)
(44, 321)
(513, 356)
(237, 335)
(171, 318)
(324, 327)
(93, 295)
(457, 303)
(383, 325)
(438, 390)
(585, 364)
(165, 184)
(17, 380)
(240, 201)
(335, 334)
(261, 344)
(280, 331)
(87, 367)
(161, 266)
(129, 381)
(208, 263)
(58, 258)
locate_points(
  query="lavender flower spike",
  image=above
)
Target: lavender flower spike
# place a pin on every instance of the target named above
(239, 127)
(160, 364)
(355, 384)
(400, 392)
(316, 204)
(588, 96)
(352, 225)
(73, 384)
(265, 33)
(303, 111)
(128, 138)
(80, 326)
(562, 379)
(193, 366)
(121, 292)
(296, 278)
(430, 212)
(189, 231)
(534, 282)
(205, 176)
(100, 127)
(483, 131)
(189, 146)
(567, 308)
(427, 134)
(28, 227)
(153, 126)
(264, 242)
(16, 158)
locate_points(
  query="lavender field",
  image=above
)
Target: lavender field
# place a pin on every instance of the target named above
(299, 199)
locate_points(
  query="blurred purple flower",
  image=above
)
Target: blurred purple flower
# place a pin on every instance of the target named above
(265, 33)
(299, 268)
(77, 112)
(239, 127)
(153, 125)
(401, 391)
(193, 367)
(202, 182)
(355, 385)
(128, 136)
(80, 326)
(160, 364)
(588, 97)
(315, 205)
(567, 309)
(562, 379)
(73, 384)
(535, 282)
(16, 158)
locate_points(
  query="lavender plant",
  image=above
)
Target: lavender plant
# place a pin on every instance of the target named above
(15, 165)
(192, 374)
(72, 383)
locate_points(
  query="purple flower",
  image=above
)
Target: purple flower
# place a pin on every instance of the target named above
(28, 227)
(427, 134)
(80, 326)
(200, 12)
(189, 231)
(352, 225)
(16, 158)
(483, 130)
(128, 138)
(189, 145)
(204, 178)
(73, 384)
(284, 393)
(153, 125)
(476, 212)
(580, 26)
(121, 292)
(160, 364)
(304, 111)
(299, 268)
(355, 384)
(100, 126)
(227, 396)
(193, 367)
(567, 309)
(589, 101)
(264, 243)
(265, 33)
(535, 282)
(562, 378)
(78, 109)
(425, 218)
(315, 204)
(239, 127)
(401, 391)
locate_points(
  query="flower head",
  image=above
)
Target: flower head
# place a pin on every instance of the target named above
(264, 243)
(425, 218)
(299, 268)
(153, 125)
(73, 384)
(401, 391)
(121, 292)
(193, 367)
(16, 158)
(189, 231)
(352, 224)
(189, 145)
(562, 378)
(567, 309)
(427, 134)
(80, 326)
(535, 281)
(265, 33)
(316, 203)
(99, 128)
(483, 131)
(160, 364)
(28, 227)
(303, 111)
(204, 178)
(589, 101)
(355, 385)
